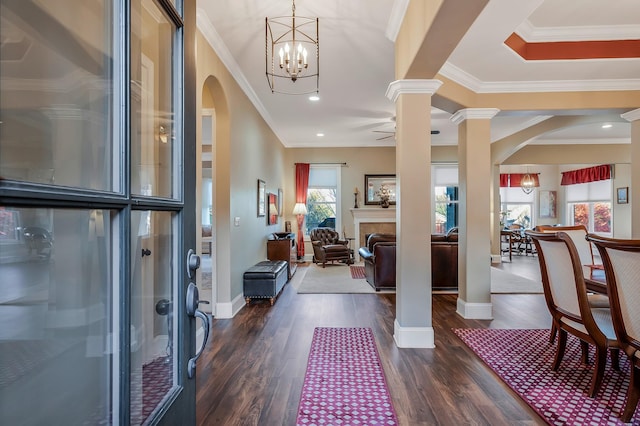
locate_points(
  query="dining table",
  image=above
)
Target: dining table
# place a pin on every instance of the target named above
(594, 278)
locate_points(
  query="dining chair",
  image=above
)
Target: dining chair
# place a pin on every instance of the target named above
(565, 293)
(621, 259)
(578, 235)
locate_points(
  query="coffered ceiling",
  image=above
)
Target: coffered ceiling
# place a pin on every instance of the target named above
(357, 64)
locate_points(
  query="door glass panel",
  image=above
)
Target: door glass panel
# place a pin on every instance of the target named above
(152, 121)
(56, 64)
(56, 338)
(152, 321)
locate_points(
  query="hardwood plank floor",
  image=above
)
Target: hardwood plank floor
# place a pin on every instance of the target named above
(252, 370)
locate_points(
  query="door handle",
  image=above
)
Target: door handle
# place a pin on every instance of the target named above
(146, 252)
(192, 310)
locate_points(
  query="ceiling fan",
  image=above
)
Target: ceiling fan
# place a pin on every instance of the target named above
(392, 133)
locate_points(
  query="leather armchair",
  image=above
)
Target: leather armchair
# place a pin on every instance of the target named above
(328, 247)
(379, 258)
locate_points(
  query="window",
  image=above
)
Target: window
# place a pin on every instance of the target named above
(323, 194)
(589, 204)
(516, 207)
(445, 192)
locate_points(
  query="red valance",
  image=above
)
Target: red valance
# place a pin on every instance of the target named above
(513, 179)
(589, 174)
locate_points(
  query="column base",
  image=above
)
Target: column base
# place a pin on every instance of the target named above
(469, 310)
(413, 337)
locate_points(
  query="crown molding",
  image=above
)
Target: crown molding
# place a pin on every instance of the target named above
(533, 34)
(398, 10)
(217, 44)
(632, 115)
(472, 83)
(412, 86)
(474, 114)
(581, 141)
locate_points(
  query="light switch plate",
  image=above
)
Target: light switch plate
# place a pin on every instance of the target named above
(236, 221)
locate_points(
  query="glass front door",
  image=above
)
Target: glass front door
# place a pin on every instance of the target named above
(96, 214)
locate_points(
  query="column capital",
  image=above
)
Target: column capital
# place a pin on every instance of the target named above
(412, 86)
(474, 113)
(632, 115)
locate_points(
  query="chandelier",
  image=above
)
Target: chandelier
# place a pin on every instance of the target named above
(292, 54)
(527, 183)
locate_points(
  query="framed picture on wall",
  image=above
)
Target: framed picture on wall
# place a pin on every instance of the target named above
(622, 195)
(548, 204)
(272, 218)
(280, 202)
(262, 198)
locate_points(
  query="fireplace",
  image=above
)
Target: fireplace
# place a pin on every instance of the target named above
(372, 219)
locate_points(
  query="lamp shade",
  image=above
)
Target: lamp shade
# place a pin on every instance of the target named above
(300, 208)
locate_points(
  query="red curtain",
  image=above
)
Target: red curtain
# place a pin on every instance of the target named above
(589, 174)
(302, 184)
(513, 180)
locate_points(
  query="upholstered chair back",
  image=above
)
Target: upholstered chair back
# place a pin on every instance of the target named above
(325, 235)
(578, 234)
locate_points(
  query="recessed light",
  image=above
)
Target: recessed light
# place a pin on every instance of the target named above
(319, 135)
(607, 126)
(314, 98)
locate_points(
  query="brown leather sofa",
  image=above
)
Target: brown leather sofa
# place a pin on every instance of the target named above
(380, 261)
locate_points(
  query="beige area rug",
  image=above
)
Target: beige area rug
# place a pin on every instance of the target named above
(506, 282)
(334, 278)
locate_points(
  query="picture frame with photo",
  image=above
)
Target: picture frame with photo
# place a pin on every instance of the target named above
(622, 195)
(262, 198)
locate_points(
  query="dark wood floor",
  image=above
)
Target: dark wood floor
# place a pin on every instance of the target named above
(253, 368)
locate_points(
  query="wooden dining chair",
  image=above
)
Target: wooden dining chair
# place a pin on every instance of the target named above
(578, 235)
(621, 259)
(566, 295)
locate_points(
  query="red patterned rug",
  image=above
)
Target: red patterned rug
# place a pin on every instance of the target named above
(523, 359)
(357, 272)
(344, 383)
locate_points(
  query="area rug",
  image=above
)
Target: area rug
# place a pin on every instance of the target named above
(357, 272)
(344, 383)
(506, 282)
(331, 279)
(523, 359)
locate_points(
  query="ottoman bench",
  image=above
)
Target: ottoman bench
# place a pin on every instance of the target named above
(264, 280)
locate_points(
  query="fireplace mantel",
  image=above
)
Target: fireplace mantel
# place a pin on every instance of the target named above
(370, 215)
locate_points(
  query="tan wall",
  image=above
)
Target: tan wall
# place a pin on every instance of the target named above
(246, 150)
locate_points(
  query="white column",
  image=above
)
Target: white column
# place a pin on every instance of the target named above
(413, 325)
(634, 190)
(475, 181)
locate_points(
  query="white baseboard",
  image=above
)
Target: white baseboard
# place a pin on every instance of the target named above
(230, 309)
(413, 337)
(496, 258)
(474, 310)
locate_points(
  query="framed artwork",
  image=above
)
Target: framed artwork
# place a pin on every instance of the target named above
(272, 217)
(280, 202)
(372, 185)
(262, 198)
(622, 195)
(548, 204)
